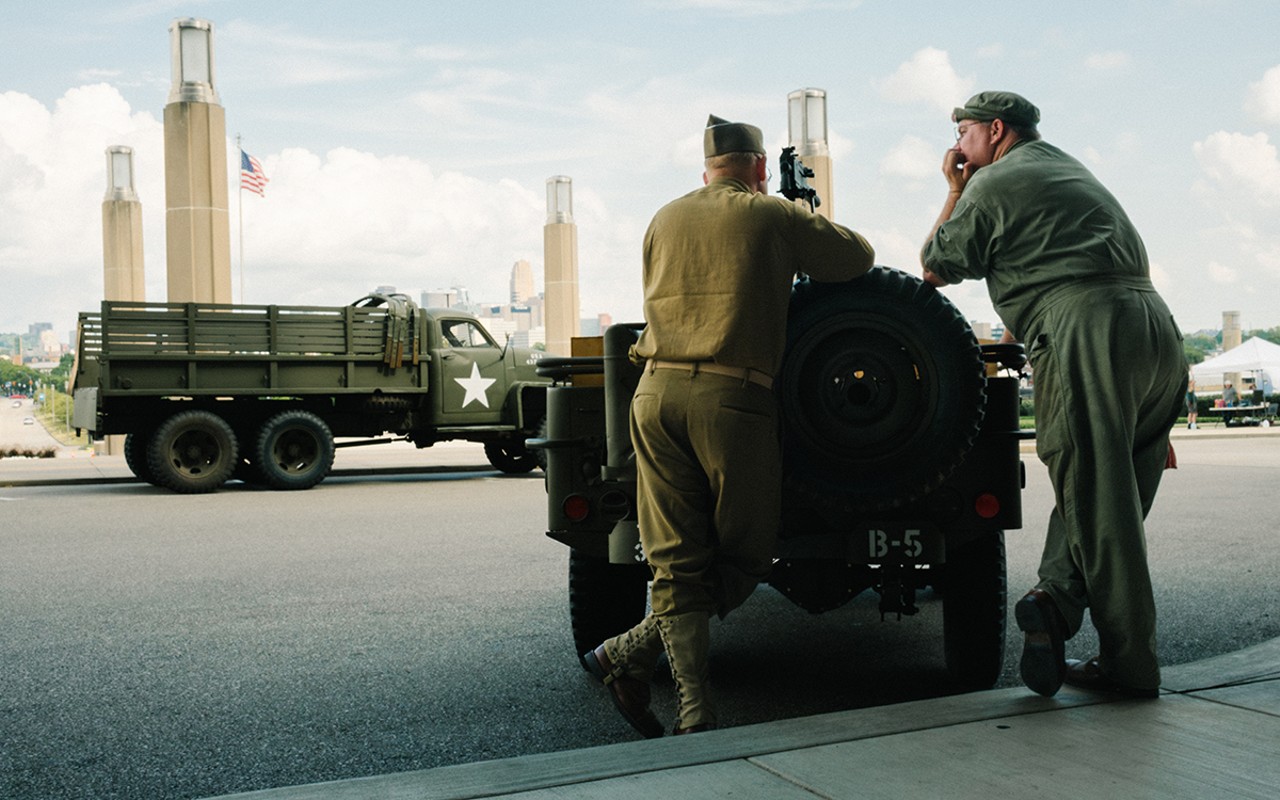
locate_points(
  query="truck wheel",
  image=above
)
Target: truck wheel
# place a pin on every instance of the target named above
(882, 390)
(294, 450)
(604, 599)
(510, 457)
(135, 456)
(192, 452)
(974, 599)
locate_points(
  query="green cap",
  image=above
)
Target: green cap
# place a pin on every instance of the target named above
(723, 136)
(986, 106)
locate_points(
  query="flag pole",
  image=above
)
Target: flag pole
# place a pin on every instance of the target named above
(240, 212)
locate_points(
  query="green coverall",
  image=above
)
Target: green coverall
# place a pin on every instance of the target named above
(1069, 276)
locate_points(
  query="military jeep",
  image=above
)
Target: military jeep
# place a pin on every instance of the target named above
(900, 437)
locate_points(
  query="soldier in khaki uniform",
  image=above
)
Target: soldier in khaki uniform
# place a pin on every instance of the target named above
(718, 268)
(1068, 274)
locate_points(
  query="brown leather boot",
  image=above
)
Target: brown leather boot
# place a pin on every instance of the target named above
(624, 664)
(688, 641)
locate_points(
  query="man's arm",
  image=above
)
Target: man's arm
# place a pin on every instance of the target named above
(829, 251)
(957, 173)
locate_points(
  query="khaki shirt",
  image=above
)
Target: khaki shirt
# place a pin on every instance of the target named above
(718, 268)
(1037, 225)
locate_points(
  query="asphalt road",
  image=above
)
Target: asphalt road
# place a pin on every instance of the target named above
(163, 646)
(13, 433)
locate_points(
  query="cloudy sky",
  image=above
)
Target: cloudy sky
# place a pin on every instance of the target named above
(409, 143)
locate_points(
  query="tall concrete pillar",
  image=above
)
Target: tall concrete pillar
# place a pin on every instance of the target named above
(807, 132)
(1232, 335)
(122, 275)
(560, 259)
(197, 223)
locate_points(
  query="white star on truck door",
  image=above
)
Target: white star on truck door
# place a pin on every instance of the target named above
(475, 387)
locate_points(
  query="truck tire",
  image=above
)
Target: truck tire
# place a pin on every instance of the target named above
(974, 602)
(604, 599)
(882, 391)
(510, 456)
(135, 456)
(294, 450)
(192, 452)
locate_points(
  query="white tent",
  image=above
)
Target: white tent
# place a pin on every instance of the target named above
(1255, 356)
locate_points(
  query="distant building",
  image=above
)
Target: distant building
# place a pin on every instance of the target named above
(521, 282)
(49, 345)
(596, 326)
(439, 298)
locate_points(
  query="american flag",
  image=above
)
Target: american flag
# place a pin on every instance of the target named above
(251, 175)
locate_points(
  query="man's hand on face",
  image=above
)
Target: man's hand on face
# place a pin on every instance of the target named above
(957, 170)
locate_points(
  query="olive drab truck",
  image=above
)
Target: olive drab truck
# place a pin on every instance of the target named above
(902, 466)
(206, 392)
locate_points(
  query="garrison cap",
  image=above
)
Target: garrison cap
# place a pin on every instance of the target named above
(723, 136)
(986, 106)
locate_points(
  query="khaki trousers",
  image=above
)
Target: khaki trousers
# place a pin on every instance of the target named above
(1110, 375)
(709, 488)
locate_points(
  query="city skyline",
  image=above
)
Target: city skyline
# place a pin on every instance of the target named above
(412, 149)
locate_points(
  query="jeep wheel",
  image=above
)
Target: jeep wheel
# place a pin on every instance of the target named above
(974, 599)
(882, 391)
(294, 450)
(192, 452)
(510, 457)
(604, 599)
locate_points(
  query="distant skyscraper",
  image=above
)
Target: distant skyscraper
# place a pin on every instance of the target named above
(521, 282)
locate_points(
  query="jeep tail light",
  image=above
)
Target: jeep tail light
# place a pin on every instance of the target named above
(576, 507)
(987, 505)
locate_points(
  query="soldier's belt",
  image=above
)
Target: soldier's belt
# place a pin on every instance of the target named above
(745, 374)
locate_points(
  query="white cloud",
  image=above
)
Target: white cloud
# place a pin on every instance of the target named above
(331, 227)
(1107, 62)
(755, 8)
(1263, 99)
(52, 183)
(913, 158)
(1220, 273)
(927, 77)
(1236, 162)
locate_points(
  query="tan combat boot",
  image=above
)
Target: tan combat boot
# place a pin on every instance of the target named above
(624, 664)
(688, 641)
(636, 651)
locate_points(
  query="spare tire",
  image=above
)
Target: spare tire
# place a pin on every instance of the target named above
(882, 391)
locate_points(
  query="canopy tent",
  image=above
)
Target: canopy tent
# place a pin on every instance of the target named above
(1255, 356)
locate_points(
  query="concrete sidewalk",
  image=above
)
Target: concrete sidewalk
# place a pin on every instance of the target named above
(1215, 732)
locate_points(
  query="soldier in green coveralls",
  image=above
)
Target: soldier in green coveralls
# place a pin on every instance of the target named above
(718, 268)
(1068, 274)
